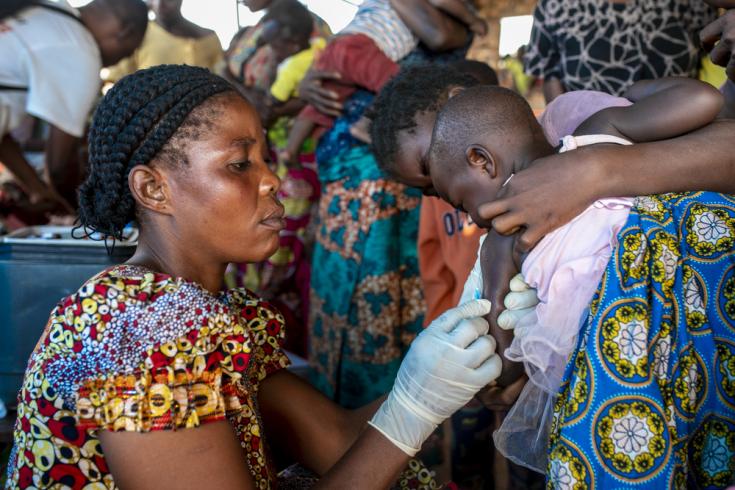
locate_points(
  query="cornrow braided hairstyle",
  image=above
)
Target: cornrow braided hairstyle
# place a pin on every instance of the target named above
(139, 119)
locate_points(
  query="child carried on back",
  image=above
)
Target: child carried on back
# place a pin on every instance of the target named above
(633, 274)
(365, 54)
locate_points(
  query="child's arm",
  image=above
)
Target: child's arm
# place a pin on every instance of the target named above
(301, 130)
(435, 29)
(662, 109)
(500, 262)
(463, 11)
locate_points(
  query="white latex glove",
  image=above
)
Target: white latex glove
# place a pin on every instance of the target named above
(450, 361)
(520, 301)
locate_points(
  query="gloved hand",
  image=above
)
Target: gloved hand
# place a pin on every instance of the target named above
(450, 361)
(520, 301)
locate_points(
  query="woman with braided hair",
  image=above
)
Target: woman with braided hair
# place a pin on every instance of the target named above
(153, 376)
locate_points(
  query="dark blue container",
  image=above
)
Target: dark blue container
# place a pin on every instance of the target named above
(38, 267)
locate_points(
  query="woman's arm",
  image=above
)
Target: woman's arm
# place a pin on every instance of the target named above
(313, 92)
(728, 91)
(662, 108)
(447, 364)
(557, 188)
(463, 11)
(208, 456)
(292, 430)
(438, 31)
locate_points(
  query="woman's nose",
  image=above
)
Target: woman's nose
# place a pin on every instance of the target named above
(270, 183)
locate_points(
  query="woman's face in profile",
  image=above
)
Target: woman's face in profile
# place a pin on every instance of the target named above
(224, 199)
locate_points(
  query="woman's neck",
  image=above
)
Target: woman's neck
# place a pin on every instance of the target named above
(163, 254)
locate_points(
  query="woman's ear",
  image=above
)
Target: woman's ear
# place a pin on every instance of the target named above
(149, 189)
(479, 157)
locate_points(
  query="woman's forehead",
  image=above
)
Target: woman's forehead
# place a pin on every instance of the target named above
(238, 119)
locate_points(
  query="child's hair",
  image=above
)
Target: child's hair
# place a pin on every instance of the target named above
(149, 114)
(481, 71)
(295, 23)
(473, 114)
(417, 88)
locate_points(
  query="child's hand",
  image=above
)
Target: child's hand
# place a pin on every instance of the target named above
(496, 398)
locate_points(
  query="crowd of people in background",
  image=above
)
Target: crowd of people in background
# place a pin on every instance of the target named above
(382, 227)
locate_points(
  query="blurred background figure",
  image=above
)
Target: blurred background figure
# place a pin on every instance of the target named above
(266, 62)
(607, 46)
(49, 68)
(170, 39)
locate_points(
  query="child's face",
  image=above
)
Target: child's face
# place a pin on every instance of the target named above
(467, 182)
(284, 48)
(410, 166)
(274, 36)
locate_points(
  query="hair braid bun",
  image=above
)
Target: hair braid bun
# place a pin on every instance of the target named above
(132, 125)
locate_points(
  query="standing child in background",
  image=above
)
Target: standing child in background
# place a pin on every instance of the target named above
(650, 326)
(365, 54)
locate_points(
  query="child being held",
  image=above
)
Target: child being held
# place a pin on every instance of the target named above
(365, 54)
(288, 29)
(648, 249)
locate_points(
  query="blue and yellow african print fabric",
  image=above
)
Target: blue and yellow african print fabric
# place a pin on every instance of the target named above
(648, 398)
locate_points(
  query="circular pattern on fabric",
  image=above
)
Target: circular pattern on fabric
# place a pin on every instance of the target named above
(712, 452)
(662, 352)
(568, 468)
(630, 438)
(623, 341)
(726, 299)
(651, 206)
(690, 383)
(632, 257)
(664, 260)
(580, 389)
(710, 230)
(724, 371)
(695, 301)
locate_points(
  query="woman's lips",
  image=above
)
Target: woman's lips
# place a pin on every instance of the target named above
(275, 220)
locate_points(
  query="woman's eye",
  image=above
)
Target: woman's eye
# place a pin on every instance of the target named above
(239, 166)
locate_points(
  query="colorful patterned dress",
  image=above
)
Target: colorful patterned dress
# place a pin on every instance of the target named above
(135, 350)
(648, 397)
(366, 302)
